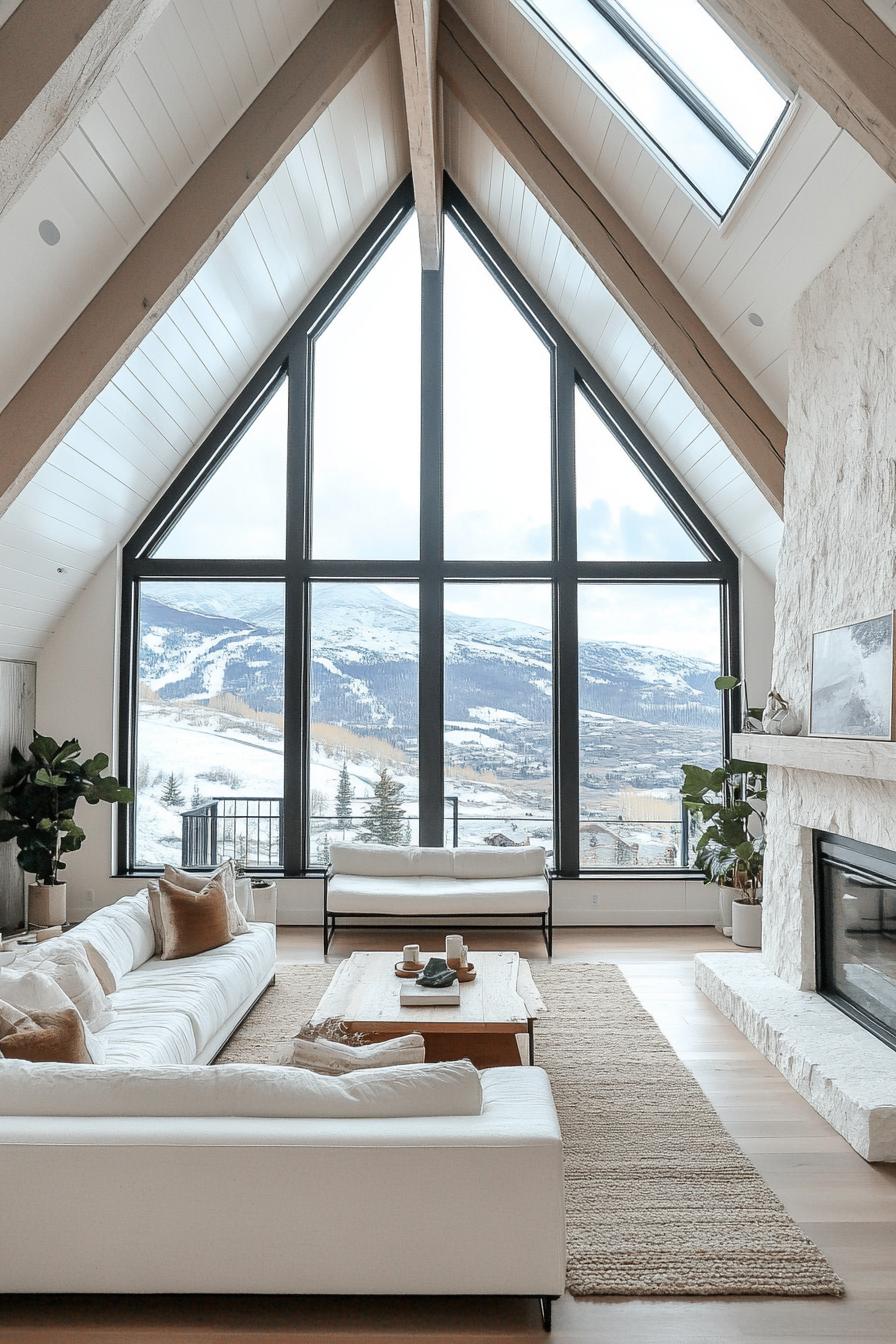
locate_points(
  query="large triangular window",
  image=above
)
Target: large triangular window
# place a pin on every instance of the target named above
(426, 583)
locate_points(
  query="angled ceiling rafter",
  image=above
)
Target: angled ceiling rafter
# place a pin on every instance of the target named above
(55, 61)
(839, 51)
(173, 249)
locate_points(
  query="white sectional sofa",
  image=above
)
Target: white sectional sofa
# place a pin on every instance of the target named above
(150, 1173)
(449, 884)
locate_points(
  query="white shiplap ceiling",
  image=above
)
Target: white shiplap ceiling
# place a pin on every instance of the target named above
(125, 448)
(189, 81)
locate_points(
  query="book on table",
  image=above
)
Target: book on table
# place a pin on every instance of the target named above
(424, 996)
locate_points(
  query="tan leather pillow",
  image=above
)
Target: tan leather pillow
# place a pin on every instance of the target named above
(189, 922)
(45, 1038)
(199, 881)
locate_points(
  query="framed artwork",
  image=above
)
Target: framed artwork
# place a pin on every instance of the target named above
(852, 681)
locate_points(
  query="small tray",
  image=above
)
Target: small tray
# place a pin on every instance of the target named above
(407, 970)
(466, 974)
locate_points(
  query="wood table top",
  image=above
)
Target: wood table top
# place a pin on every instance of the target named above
(365, 994)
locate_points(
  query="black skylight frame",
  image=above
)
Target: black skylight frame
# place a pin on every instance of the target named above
(293, 359)
(684, 89)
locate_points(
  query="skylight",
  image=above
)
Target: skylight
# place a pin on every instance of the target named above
(677, 78)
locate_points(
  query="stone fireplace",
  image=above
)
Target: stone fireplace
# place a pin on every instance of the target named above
(837, 565)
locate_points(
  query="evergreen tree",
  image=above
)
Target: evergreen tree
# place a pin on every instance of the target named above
(171, 795)
(344, 799)
(197, 799)
(323, 849)
(384, 822)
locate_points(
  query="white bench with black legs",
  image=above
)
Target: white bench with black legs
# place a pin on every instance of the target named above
(482, 882)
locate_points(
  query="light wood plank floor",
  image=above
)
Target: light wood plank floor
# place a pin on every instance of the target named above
(846, 1206)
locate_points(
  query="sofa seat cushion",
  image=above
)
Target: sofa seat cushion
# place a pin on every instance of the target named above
(207, 988)
(137, 1038)
(436, 895)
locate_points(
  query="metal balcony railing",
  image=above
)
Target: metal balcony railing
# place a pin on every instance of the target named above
(251, 829)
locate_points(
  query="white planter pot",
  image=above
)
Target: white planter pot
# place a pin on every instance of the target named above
(746, 924)
(46, 905)
(726, 896)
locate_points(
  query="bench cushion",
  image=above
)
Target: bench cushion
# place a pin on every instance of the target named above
(348, 894)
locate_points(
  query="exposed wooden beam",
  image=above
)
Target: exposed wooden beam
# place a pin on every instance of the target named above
(840, 52)
(55, 61)
(727, 398)
(172, 250)
(418, 25)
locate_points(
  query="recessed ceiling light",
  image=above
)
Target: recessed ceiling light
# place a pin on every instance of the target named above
(756, 320)
(49, 232)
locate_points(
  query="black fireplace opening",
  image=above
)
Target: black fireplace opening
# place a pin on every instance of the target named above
(855, 930)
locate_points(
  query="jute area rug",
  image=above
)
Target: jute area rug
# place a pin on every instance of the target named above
(660, 1200)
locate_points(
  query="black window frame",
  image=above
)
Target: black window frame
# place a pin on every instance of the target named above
(298, 570)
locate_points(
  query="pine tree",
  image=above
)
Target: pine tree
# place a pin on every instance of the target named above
(197, 799)
(171, 795)
(344, 799)
(385, 814)
(323, 849)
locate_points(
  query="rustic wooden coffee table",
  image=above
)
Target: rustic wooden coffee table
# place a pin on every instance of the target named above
(501, 1004)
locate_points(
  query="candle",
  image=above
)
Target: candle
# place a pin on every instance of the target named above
(464, 955)
(411, 954)
(453, 945)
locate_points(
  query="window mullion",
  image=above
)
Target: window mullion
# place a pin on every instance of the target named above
(294, 822)
(431, 735)
(566, 637)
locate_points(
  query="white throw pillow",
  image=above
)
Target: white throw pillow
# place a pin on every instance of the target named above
(333, 1058)
(199, 882)
(242, 1090)
(32, 991)
(121, 932)
(486, 861)
(65, 960)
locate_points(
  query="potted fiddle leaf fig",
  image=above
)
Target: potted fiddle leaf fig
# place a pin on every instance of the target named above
(39, 796)
(728, 803)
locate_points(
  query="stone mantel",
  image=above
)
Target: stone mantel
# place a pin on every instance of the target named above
(860, 758)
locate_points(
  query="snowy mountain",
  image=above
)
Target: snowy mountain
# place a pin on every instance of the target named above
(205, 640)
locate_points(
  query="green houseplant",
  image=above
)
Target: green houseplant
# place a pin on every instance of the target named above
(40, 794)
(729, 805)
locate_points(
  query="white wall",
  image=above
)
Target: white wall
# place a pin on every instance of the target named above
(757, 617)
(77, 696)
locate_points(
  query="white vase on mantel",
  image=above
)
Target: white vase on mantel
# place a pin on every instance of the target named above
(746, 923)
